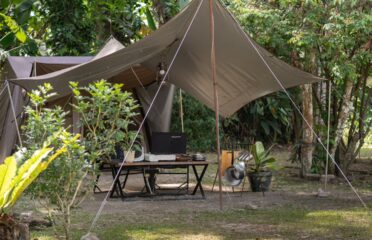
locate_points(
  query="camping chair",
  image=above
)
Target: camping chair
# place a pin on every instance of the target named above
(233, 151)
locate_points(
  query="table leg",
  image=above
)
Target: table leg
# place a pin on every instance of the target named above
(152, 181)
(125, 179)
(117, 186)
(187, 179)
(199, 180)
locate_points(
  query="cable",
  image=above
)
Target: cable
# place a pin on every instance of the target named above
(3, 90)
(99, 212)
(14, 114)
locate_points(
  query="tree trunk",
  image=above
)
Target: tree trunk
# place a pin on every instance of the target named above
(343, 115)
(307, 134)
(11, 229)
(344, 157)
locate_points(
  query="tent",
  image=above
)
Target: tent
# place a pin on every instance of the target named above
(182, 47)
(137, 79)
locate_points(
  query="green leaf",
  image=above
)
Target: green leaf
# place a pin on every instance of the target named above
(260, 149)
(150, 19)
(7, 40)
(4, 3)
(14, 27)
(7, 172)
(266, 128)
(268, 160)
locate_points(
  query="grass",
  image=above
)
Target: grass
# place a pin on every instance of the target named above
(286, 222)
(366, 152)
(331, 218)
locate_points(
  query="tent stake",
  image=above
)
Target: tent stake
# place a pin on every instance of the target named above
(216, 105)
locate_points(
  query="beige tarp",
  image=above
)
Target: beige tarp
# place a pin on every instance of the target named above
(21, 67)
(139, 79)
(241, 74)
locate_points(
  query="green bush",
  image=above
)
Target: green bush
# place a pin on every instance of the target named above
(107, 115)
(64, 184)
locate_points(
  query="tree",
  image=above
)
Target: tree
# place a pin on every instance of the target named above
(331, 38)
(71, 31)
(15, 30)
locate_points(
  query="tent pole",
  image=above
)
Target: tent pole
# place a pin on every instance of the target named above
(181, 112)
(328, 127)
(216, 105)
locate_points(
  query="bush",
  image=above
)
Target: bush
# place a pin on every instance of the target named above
(65, 183)
(107, 115)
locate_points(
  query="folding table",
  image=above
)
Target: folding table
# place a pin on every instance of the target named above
(148, 166)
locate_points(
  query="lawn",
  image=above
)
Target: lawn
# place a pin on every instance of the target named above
(286, 222)
(290, 211)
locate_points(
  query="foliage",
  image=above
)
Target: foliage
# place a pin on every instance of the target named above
(107, 115)
(199, 124)
(79, 27)
(335, 33)
(164, 10)
(328, 38)
(65, 183)
(15, 18)
(122, 19)
(263, 161)
(71, 31)
(267, 119)
(16, 174)
(42, 122)
(14, 29)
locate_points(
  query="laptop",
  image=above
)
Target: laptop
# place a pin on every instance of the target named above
(168, 143)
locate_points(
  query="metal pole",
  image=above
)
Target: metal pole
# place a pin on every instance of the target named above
(328, 127)
(181, 112)
(216, 107)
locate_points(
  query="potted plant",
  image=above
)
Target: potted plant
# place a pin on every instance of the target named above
(15, 176)
(260, 174)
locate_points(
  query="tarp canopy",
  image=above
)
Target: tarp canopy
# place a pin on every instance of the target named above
(241, 75)
(138, 79)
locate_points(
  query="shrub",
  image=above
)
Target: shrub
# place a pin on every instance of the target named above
(107, 115)
(65, 183)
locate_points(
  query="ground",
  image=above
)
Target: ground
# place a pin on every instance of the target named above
(291, 210)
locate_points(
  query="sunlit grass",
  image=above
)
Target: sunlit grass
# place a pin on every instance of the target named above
(286, 222)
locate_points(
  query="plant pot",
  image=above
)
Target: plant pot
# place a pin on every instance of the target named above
(130, 156)
(11, 229)
(260, 181)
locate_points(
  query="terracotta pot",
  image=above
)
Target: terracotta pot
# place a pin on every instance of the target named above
(12, 229)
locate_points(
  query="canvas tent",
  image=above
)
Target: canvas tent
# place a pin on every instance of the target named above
(183, 45)
(137, 79)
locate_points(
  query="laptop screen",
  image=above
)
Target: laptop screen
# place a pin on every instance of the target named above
(168, 143)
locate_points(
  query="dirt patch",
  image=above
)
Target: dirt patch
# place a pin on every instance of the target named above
(297, 192)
